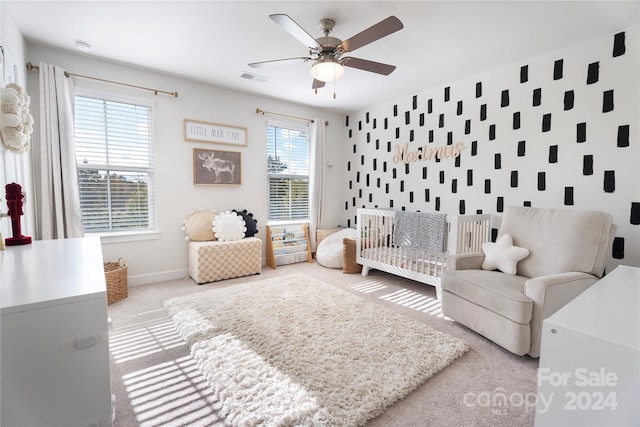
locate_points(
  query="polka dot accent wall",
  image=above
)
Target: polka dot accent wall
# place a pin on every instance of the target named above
(558, 131)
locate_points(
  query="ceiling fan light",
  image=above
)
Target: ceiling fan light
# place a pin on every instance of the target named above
(327, 70)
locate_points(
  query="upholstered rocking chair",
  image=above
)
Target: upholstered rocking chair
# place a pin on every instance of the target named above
(541, 260)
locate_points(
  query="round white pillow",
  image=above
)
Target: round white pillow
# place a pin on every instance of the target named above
(329, 251)
(229, 226)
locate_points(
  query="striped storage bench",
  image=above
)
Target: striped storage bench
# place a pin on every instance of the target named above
(213, 261)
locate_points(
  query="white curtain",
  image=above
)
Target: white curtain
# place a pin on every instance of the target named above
(60, 198)
(316, 178)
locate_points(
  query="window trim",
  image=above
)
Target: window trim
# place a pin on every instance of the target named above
(132, 234)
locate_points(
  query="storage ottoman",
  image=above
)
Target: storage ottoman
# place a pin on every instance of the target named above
(212, 261)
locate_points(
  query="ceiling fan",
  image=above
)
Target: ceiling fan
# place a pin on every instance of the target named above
(327, 52)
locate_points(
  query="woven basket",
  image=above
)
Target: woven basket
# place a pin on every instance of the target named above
(116, 277)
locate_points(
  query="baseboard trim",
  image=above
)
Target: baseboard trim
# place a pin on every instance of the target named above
(145, 279)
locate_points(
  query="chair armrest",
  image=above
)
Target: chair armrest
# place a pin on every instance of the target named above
(549, 294)
(468, 261)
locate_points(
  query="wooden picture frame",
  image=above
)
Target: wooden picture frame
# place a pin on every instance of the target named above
(199, 131)
(215, 167)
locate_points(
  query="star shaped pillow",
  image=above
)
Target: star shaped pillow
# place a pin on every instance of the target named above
(502, 255)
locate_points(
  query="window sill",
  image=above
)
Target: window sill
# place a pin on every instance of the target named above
(288, 222)
(130, 236)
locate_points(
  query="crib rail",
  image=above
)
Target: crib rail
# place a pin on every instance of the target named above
(375, 247)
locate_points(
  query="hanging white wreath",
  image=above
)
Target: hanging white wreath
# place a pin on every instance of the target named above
(16, 123)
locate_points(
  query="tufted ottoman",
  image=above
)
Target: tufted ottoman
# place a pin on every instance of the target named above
(212, 261)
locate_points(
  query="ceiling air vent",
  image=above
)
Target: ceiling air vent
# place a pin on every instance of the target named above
(253, 77)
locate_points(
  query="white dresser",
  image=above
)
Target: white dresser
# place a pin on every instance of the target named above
(589, 372)
(54, 335)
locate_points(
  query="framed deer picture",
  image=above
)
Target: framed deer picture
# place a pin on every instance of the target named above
(215, 167)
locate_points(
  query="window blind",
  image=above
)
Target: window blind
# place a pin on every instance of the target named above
(114, 152)
(288, 171)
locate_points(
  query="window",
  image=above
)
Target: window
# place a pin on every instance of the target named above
(114, 152)
(288, 172)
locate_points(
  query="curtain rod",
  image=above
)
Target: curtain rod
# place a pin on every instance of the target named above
(67, 74)
(259, 111)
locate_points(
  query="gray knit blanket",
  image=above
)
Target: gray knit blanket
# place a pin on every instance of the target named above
(420, 230)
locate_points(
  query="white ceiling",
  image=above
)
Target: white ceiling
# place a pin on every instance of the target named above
(213, 41)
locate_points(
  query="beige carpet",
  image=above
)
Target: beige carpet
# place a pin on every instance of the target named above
(157, 383)
(296, 351)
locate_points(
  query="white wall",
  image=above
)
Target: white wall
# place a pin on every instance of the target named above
(599, 172)
(166, 257)
(14, 167)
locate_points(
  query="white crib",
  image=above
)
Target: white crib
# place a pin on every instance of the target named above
(375, 247)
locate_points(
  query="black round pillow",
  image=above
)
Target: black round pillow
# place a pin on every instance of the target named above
(251, 224)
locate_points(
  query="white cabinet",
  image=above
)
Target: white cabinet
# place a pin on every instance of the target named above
(54, 335)
(589, 372)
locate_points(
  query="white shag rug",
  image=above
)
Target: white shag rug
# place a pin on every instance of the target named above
(295, 351)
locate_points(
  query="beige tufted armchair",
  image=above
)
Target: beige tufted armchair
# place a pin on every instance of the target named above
(568, 250)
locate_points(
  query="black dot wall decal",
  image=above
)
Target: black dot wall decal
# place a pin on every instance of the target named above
(359, 124)
(609, 181)
(500, 204)
(386, 123)
(358, 177)
(462, 209)
(593, 73)
(350, 185)
(384, 167)
(395, 173)
(378, 182)
(441, 121)
(469, 177)
(366, 117)
(581, 132)
(431, 135)
(368, 180)
(424, 172)
(546, 122)
(410, 196)
(514, 179)
(524, 74)
(377, 144)
(553, 154)
(467, 127)
(426, 195)
(441, 177)
(430, 106)
(587, 165)
(447, 93)
(395, 110)
(402, 186)
(421, 119)
(478, 89)
(459, 108)
(370, 198)
(568, 100)
(521, 148)
(542, 181)
(449, 138)
(497, 161)
(568, 196)
(350, 133)
(375, 123)
(349, 165)
(368, 137)
(634, 217)
(483, 112)
(407, 118)
(487, 186)
(388, 146)
(457, 162)
(607, 101)
(437, 204)
(623, 136)
(494, 234)
(516, 120)
(415, 102)
(362, 159)
(474, 148)
(618, 44)
(346, 121)
(492, 132)
(360, 193)
(504, 98)
(386, 188)
(411, 135)
(617, 250)
(557, 69)
(454, 185)
(397, 133)
(537, 97)
(526, 203)
(406, 168)
(355, 148)
(390, 203)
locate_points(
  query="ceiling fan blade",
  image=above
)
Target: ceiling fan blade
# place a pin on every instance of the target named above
(371, 34)
(291, 27)
(317, 84)
(278, 62)
(366, 65)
